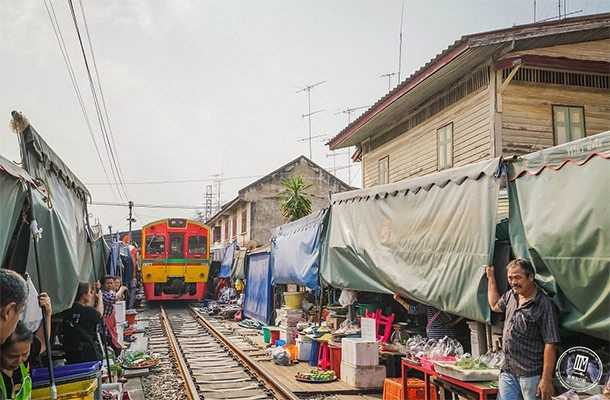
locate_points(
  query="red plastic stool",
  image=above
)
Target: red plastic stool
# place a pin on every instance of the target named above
(324, 356)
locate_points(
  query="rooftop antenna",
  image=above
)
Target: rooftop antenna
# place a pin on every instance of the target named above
(334, 155)
(389, 76)
(349, 112)
(308, 89)
(402, 14)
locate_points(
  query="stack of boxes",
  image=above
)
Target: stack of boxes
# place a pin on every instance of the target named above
(360, 363)
(287, 319)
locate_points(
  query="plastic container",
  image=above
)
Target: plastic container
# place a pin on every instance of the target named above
(417, 389)
(279, 343)
(335, 359)
(130, 317)
(313, 357)
(372, 307)
(392, 389)
(66, 373)
(294, 299)
(293, 351)
(266, 334)
(84, 390)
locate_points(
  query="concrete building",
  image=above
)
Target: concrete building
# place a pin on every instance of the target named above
(250, 216)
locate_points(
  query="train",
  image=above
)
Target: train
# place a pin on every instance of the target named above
(175, 259)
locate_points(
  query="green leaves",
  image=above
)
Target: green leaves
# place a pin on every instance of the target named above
(295, 200)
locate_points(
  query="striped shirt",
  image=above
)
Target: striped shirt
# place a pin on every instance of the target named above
(437, 329)
(109, 298)
(527, 328)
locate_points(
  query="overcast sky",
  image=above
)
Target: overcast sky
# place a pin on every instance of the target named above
(200, 90)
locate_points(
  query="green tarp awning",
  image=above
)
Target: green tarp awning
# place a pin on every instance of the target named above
(427, 238)
(560, 218)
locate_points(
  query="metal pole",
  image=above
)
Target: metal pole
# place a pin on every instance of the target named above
(35, 237)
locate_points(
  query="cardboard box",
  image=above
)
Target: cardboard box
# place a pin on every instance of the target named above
(365, 376)
(335, 322)
(360, 352)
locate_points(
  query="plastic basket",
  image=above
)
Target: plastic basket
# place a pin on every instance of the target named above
(293, 351)
(362, 307)
(83, 390)
(416, 390)
(66, 373)
(392, 389)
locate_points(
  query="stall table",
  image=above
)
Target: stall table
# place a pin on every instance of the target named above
(467, 389)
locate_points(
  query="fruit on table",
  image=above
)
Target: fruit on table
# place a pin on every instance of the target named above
(316, 375)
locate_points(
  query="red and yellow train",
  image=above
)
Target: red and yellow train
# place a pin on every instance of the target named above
(175, 259)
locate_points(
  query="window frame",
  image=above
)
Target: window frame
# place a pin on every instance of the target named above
(381, 163)
(441, 147)
(217, 233)
(244, 220)
(568, 123)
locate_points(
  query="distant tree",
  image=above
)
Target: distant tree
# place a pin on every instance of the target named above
(199, 216)
(295, 199)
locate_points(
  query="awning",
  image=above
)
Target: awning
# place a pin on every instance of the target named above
(227, 260)
(426, 238)
(560, 219)
(13, 191)
(295, 250)
(238, 270)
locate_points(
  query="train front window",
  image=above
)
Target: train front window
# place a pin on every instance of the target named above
(155, 244)
(198, 245)
(176, 246)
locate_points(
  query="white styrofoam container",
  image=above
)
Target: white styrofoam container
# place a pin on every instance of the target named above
(119, 306)
(358, 351)
(366, 376)
(496, 337)
(119, 331)
(287, 334)
(303, 350)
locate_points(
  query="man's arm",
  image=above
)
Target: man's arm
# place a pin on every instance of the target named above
(545, 387)
(44, 301)
(492, 289)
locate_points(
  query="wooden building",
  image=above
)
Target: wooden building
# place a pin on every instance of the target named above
(506, 92)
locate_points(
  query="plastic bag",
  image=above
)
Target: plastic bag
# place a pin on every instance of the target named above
(347, 297)
(281, 356)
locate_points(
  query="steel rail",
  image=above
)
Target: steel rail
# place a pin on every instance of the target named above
(279, 390)
(191, 388)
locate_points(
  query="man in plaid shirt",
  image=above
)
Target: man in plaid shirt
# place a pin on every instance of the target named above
(530, 336)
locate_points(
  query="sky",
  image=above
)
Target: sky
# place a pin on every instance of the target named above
(215, 92)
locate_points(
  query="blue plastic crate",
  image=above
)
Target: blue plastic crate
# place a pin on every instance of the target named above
(66, 373)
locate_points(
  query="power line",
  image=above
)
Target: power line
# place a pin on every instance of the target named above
(112, 204)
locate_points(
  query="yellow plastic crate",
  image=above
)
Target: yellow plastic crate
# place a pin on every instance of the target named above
(84, 390)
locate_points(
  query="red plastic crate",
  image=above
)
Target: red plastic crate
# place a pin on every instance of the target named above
(392, 389)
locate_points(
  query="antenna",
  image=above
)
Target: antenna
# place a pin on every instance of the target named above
(389, 76)
(308, 89)
(334, 156)
(349, 112)
(402, 14)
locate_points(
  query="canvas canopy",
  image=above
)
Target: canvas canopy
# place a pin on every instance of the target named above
(257, 302)
(426, 238)
(227, 260)
(295, 249)
(69, 250)
(560, 219)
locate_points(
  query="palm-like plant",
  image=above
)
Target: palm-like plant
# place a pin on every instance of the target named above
(295, 199)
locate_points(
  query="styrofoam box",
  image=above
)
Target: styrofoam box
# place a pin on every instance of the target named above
(358, 351)
(363, 376)
(119, 331)
(120, 311)
(287, 334)
(303, 350)
(496, 336)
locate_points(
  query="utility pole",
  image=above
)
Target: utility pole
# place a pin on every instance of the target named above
(308, 89)
(208, 202)
(130, 220)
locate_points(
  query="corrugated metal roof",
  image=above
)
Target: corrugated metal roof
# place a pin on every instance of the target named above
(459, 59)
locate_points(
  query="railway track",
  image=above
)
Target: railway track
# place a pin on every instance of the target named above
(214, 363)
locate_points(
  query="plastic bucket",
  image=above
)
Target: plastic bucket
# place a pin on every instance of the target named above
(293, 351)
(280, 343)
(294, 299)
(130, 318)
(362, 307)
(335, 359)
(266, 335)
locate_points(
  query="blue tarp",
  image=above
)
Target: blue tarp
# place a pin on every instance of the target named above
(295, 250)
(227, 260)
(257, 302)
